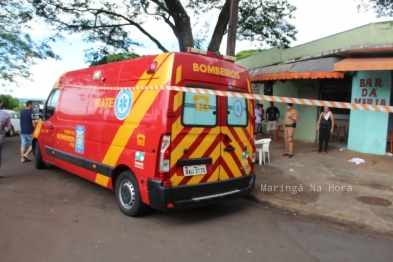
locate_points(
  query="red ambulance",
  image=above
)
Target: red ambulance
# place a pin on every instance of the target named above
(166, 149)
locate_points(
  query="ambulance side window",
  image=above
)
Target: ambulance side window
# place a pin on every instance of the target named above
(237, 111)
(51, 103)
(199, 110)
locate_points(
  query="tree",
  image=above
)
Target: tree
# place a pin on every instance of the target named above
(9, 102)
(113, 23)
(18, 51)
(114, 58)
(382, 8)
(246, 53)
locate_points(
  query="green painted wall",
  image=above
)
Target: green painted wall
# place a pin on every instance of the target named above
(309, 89)
(375, 34)
(367, 129)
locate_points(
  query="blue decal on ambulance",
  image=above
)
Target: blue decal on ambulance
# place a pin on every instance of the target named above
(123, 104)
(237, 108)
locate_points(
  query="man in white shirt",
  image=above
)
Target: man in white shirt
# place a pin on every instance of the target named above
(258, 119)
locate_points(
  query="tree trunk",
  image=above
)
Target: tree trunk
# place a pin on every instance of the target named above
(182, 28)
(220, 28)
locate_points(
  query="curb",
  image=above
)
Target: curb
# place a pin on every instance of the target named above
(336, 217)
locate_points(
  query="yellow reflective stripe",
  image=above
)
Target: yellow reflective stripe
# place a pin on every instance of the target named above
(176, 179)
(187, 141)
(178, 74)
(139, 109)
(37, 129)
(102, 180)
(177, 100)
(215, 155)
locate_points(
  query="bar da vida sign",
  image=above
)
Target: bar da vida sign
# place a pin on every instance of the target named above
(369, 92)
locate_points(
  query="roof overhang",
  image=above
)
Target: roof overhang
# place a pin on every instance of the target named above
(364, 64)
(310, 69)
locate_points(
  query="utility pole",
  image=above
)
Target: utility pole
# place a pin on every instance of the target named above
(232, 26)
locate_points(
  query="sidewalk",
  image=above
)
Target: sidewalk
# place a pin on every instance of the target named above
(328, 186)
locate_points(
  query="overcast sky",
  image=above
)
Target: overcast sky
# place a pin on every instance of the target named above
(315, 19)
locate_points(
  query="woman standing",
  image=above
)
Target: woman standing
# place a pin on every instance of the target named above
(325, 127)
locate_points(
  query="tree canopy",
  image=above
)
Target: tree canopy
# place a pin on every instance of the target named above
(114, 58)
(9, 102)
(114, 23)
(18, 51)
(246, 53)
(382, 8)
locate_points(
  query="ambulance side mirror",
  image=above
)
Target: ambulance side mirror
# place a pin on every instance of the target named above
(36, 112)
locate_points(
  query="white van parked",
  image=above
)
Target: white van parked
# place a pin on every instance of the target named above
(15, 122)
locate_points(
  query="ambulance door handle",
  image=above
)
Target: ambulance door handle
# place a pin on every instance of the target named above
(51, 127)
(227, 149)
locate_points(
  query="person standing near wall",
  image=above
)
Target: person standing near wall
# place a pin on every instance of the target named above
(258, 119)
(272, 116)
(291, 118)
(325, 126)
(27, 125)
(262, 112)
(4, 122)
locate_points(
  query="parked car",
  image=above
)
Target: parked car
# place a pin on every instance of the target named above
(15, 122)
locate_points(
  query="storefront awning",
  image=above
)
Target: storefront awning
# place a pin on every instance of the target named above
(366, 64)
(311, 69)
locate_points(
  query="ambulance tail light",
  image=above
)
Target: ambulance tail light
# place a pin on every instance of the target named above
(164, 160)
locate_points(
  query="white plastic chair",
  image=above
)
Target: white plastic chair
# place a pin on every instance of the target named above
(262, 149)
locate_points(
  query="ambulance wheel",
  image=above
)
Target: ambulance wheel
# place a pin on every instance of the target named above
(128, 196)
(39, 163)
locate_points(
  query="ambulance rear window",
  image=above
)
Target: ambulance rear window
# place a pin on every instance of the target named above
(199, 110)
(237, 111)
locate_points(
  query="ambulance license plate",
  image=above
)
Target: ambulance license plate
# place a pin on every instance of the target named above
(194, 170)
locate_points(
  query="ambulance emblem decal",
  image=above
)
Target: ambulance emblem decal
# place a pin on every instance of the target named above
(237, 108)
(123, 104)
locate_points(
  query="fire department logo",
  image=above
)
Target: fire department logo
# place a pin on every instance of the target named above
(237, 108)
(123, 104)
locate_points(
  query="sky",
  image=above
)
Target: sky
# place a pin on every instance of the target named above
(314, 19)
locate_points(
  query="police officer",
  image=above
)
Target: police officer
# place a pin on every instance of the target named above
(291, 118)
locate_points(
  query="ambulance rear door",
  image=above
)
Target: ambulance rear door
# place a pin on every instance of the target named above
(237, 147)
(236, 126)
(196, 144)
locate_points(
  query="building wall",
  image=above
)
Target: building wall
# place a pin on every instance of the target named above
(368, 129)
(309, 89)
(371, 35)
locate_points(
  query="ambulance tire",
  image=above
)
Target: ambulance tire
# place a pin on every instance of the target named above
(128, 196)
(39, 163)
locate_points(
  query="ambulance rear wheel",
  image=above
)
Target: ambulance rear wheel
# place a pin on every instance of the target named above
(39, 163)
(128, 196)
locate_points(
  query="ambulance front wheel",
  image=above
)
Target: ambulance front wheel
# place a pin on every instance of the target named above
(39, 163)
(128, 196)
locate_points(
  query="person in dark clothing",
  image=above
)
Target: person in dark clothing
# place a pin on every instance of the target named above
(27, 125)
(325, 127)
(272, 116)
